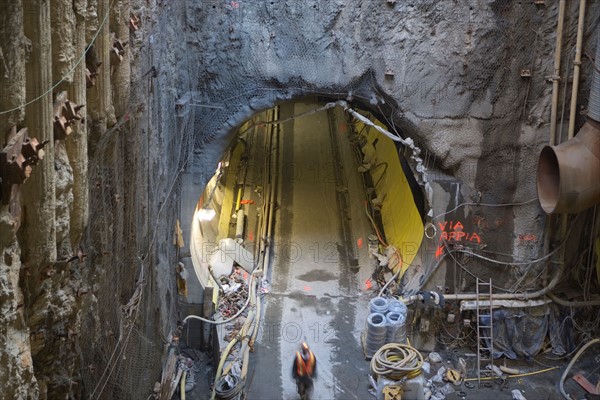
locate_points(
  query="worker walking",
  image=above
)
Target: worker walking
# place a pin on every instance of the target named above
(304, 371)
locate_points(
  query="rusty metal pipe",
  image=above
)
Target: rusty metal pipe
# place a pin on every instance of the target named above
(568, 175)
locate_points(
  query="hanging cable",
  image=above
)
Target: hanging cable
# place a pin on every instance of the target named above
(486, 205)
(374, 226)
(70, 71)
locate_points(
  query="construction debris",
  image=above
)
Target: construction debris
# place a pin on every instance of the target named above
(235, 293)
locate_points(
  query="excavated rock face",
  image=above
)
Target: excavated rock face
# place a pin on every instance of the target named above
(447, 74)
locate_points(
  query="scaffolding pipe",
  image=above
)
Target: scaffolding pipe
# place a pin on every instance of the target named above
(556, 73)
(576, 68)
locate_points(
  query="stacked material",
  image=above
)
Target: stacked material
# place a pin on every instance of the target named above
(385, 324)
(376, 333)
(396, 322)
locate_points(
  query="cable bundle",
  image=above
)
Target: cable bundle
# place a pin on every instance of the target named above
(396, 328)
(376, 333)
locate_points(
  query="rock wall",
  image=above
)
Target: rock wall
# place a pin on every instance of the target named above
(87, 265)
(70, 243)
(447, 74)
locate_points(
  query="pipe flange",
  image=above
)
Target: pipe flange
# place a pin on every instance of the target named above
(430, 230)
(469, 385)
(487, 384)
(462, 394)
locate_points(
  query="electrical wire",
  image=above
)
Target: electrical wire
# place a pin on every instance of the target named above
(241, 310)
(486, 205)
(70, 71)
(564, 375)
(388, 282)
(450, 252)
(374, 226)
(385, 167)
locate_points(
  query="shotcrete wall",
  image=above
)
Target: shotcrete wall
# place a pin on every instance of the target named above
(447, 74)
(87, 292)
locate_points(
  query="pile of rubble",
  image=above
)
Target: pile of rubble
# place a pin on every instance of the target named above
(235, 293)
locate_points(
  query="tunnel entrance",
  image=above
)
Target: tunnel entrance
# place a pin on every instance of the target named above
(348, 150)
(314, 207)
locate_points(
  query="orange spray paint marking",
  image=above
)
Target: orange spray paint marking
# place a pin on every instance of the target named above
(250, 236)
(306, 288)
(368, 284)
(359, 243)
(343, 127)
(528, 238)
(439, 251)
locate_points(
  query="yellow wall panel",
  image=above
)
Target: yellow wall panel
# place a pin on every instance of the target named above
(401, 219)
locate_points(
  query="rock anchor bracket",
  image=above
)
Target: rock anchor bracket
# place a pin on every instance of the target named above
(65, 116)
(16, 158)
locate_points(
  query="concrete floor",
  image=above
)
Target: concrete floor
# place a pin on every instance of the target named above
(315, 297)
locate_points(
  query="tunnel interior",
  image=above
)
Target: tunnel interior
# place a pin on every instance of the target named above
(343, 219)
(180, 178)
(390, 192)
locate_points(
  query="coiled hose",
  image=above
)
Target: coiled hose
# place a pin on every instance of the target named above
(378, 305)
(376, 333)
(396, 361)
(228, 387)
(396, 328)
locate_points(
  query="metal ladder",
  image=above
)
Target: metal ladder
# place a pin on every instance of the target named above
(485, 331)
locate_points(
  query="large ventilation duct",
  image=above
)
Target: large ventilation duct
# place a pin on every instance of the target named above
(568, 175)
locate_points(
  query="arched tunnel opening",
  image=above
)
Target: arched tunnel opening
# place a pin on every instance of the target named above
(192, 189)
(317, 206)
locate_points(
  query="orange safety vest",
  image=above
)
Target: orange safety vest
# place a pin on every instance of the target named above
(305, 367)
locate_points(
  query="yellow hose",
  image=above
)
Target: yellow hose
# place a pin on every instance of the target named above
(396, 361)
(228, 350)
(239, 200)
(514, 376)
(182, 385)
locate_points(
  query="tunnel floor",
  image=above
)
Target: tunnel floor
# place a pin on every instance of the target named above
(316, 294)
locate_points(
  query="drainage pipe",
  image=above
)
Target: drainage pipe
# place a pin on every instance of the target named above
(556, 73)
(567, 175)
(500, 296)
(576, 67)
(567, 303)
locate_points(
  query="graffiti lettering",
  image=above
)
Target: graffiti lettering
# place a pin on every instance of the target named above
(453, 231)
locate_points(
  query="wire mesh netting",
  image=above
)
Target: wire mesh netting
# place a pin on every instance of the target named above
(433, 59)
